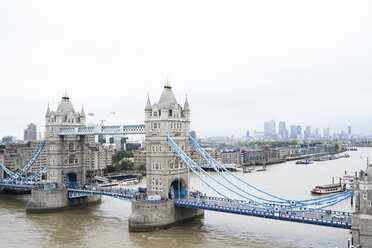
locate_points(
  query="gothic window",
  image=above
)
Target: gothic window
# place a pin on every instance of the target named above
(71, 146)
(159, 112)
(71, 159)
(155, 114)
(170, 113)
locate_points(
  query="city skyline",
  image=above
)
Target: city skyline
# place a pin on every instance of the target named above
(244, 70)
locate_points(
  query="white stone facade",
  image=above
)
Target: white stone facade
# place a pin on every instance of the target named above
(65, 154)
(162, 163)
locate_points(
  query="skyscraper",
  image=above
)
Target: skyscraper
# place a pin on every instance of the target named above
(193, 134)
(293, 132)
(299, 130)
(272, 128)
(307, 133)
(326, 132)
(30, 132)
(247, 134)
(266, 128)
(282, 130)
(349, 130)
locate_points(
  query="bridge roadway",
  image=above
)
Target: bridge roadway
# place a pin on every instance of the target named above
(17, 185)
(318, 217)
(120, 193)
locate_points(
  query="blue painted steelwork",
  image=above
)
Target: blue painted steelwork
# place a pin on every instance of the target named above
(328, 221)
(18, 174)
(77, 193)
(330, 200)
(293, 207)
(17, 185)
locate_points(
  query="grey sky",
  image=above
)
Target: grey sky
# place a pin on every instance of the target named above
(240, 62)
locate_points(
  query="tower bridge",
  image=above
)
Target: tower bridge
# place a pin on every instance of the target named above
(168, 199)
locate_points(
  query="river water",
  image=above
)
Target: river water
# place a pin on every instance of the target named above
(106, 224)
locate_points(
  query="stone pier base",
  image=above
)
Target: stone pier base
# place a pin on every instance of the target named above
(56, 200)
(150, 216)
(362, 231)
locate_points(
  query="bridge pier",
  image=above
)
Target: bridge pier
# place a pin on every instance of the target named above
(56, 200)
(155, 215)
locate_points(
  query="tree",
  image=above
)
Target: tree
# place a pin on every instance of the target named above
(142, 167)
(126, 164)
(337, 147)
(123, 154)
(110, 168)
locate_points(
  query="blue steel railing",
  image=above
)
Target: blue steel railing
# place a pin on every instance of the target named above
(331, 218)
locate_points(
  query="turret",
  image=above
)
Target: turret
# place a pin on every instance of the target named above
(47, 114)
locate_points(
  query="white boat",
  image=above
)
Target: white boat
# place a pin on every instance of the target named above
(129, 181)
(327, 189)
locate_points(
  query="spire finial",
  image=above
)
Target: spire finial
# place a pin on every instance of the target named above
(167, 84)
(65, 96)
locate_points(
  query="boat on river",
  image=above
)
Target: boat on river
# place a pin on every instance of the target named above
(304, 162)
(327, 189)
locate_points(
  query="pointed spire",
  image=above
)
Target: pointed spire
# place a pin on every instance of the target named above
(48, 111)
(65, 96)
(186, 105)
(167, 84)
(82, 113)
(148, 103)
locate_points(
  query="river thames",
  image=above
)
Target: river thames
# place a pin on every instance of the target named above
(106, 224)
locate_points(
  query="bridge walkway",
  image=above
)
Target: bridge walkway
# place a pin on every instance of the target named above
(319, 217)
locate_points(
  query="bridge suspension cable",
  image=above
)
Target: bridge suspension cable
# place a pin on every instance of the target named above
(299, 203)
(18, 174)
(328, 201)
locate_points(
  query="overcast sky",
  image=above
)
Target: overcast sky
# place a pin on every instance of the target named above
(240, 62)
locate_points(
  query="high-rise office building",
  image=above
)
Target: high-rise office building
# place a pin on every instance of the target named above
(307, 133)
(349, 130)
(272, 128)
(247, 135)
(30, 132)
(299, 130)
(326, 132)
(282, 130)
(266, 128)
(293, 134)
(193, 134)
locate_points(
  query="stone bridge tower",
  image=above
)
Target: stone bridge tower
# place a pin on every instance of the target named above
(65, 161)
(167, 176)
(166, 173)
(362, 217)
(65, 154)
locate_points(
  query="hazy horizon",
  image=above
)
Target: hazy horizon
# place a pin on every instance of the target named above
(240, 63)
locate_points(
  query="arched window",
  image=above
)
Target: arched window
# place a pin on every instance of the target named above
(71, 159)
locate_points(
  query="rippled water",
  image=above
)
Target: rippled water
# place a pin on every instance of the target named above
(106, 224)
